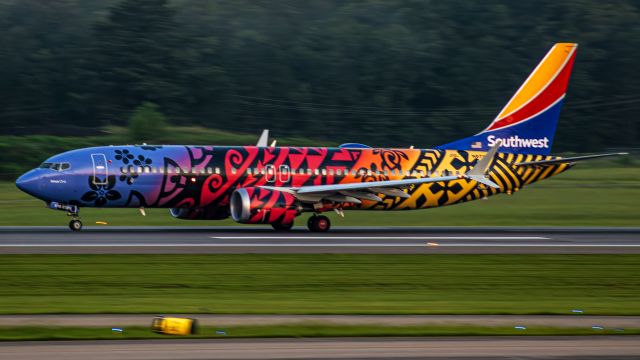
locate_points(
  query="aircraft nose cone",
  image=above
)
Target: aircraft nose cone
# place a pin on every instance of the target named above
(28, 183)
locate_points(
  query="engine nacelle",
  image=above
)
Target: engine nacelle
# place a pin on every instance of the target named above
(217, 213)
(262, 206)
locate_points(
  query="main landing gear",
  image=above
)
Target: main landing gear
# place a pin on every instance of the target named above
(319, 223)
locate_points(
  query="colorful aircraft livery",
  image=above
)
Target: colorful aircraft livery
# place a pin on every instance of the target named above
(528, 122)
(274, 185)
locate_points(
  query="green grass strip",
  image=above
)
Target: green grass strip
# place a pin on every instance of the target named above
(300, 330)
(320, 284)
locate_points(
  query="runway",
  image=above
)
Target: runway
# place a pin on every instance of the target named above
(391, 240)
(568, 347)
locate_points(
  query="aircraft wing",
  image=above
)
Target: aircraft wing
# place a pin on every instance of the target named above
(567, 160)
(355, 192)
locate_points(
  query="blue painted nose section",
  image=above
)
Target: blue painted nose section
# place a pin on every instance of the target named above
(29, 182)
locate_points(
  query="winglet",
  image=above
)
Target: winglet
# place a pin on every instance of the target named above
(264, 138)
(479, 172)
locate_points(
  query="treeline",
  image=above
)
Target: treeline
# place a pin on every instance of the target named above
(381, 72)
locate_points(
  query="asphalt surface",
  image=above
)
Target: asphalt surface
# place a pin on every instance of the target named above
(248, 239)
(124, 320)
(573, 347)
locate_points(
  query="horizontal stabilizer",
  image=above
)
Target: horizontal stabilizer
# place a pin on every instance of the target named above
(568, 160)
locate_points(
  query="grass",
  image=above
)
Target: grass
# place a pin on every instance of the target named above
(294, 330)
(320, 284)
(579, 197)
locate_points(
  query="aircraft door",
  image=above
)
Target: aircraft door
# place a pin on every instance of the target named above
(270, 175)
(100, 170)
(284, 174)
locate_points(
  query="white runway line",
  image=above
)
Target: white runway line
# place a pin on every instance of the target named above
(381, 237)
(329, 245)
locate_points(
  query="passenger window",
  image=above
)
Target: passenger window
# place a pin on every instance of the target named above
(233, 171)
(331, 172)
(140, 169)
(123, 169)
(324, 172)
(217, 171)
(248, 171)
(339, 172)
(316, 171)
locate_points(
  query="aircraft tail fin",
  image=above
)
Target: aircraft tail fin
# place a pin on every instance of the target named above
(527, 124)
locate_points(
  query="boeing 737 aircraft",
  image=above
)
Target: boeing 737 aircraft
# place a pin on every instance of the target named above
(273, 185)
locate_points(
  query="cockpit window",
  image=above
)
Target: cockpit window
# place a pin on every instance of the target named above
(55, 166)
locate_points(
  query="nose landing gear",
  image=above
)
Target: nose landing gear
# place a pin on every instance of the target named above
(75, 225)
(72, 210)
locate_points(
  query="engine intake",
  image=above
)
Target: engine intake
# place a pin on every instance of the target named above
(262, 206)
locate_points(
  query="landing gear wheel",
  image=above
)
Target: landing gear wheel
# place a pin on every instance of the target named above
(281, 226)
(75, 225)
(319, 223)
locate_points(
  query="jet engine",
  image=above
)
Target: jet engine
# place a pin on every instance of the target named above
(254, 205)
(217, 213)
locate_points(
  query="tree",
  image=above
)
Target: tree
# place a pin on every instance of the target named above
(136, 58)
(147, 123)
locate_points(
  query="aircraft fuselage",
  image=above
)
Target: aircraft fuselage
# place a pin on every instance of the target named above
(203, 177)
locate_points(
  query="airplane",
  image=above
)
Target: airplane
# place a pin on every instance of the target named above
(269, 184)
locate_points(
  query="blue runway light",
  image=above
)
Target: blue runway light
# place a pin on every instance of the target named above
(596, 327)
(520, 327)
(117, 329)
(221, 332)
(576, 311)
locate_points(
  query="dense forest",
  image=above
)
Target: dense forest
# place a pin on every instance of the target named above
(384, 72)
